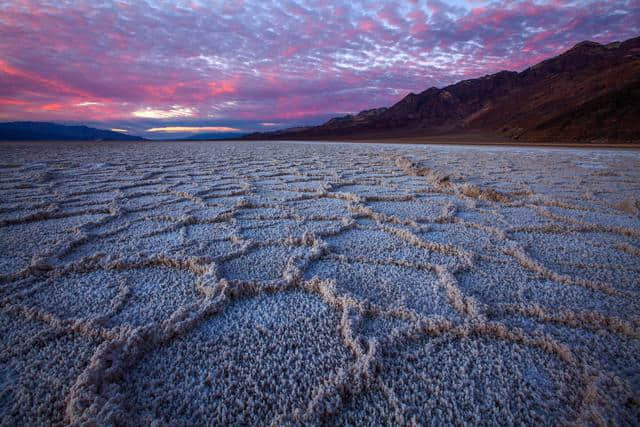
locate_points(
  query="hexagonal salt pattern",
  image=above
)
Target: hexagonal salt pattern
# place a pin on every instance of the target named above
(310, 283)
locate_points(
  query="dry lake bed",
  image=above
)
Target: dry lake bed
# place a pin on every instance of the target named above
(313, 283)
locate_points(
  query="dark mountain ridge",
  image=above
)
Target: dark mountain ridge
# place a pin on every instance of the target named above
(207, 136)
(590, 93)
(44, 131)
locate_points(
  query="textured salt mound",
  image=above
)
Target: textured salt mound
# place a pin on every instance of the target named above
(618, 357)
(374, 244)
(522, 217)
(208, 233)
(322, 207)
(37, 368)
(387, 286)
(155, 294)
(500, 282)
(479, 381)
(141, 238)
(270, 230)
(151, 295)
(371, 190)
(260, 360)
(267, 263)
(408, 210)
(479, 241)
(21, 241)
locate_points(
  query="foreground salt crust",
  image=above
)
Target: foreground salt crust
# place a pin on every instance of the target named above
(287, 283)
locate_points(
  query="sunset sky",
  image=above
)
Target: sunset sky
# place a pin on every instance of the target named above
(168, 68)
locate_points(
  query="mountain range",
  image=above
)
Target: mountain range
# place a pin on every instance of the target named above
(208, 136)
(44, 131)
(590, 93)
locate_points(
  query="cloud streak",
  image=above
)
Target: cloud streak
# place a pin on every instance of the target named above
(174, 111)
(240, 64)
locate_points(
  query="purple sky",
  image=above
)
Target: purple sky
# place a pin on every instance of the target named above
(144, 66)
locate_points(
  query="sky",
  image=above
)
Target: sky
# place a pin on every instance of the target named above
(166, 69)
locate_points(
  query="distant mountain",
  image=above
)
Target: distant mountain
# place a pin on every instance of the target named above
(591, 93)
(43, 131)
(213, 135)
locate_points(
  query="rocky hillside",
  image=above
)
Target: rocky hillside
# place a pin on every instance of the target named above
(591, 93)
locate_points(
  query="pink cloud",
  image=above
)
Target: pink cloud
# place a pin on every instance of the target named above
(221, 87)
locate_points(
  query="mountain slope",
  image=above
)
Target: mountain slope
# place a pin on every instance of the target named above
(589, 93)
(43, 131)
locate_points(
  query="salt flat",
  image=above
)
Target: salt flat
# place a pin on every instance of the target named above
(282, 283)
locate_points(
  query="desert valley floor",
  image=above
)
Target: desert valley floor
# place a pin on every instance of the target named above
(285, 283)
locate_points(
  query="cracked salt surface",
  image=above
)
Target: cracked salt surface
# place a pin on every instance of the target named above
(313, 283)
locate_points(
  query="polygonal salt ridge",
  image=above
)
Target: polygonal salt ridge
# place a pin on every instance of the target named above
(365, 187)
(97, 391)
(143, 201)
(487, 282)
(608, 217)
(198, 266)
(423, 388)
(628, 248)
(188, 196)
(244, 190)
(12, 291)
(323, 226)
(55, 236)
(466, 257)
(582, 319)
(307, 185)
(519, 254)
(350, 382)
(296, 319)
(374, 243)
(130, 238)
(145, 186)
(445, 183)
(322, 204)
(10, 206)
(267, 260)
(581, 250)
(600, 350)
(360, 210)
(521, 215)
(400, 290)
(79, 203)
(54, 212)
(96, 192)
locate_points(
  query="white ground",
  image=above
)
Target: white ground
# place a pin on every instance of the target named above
(210, 283)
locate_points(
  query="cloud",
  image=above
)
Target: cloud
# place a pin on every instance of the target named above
(119, 130)
(194, 129)
(270, 61)
(220, 88)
